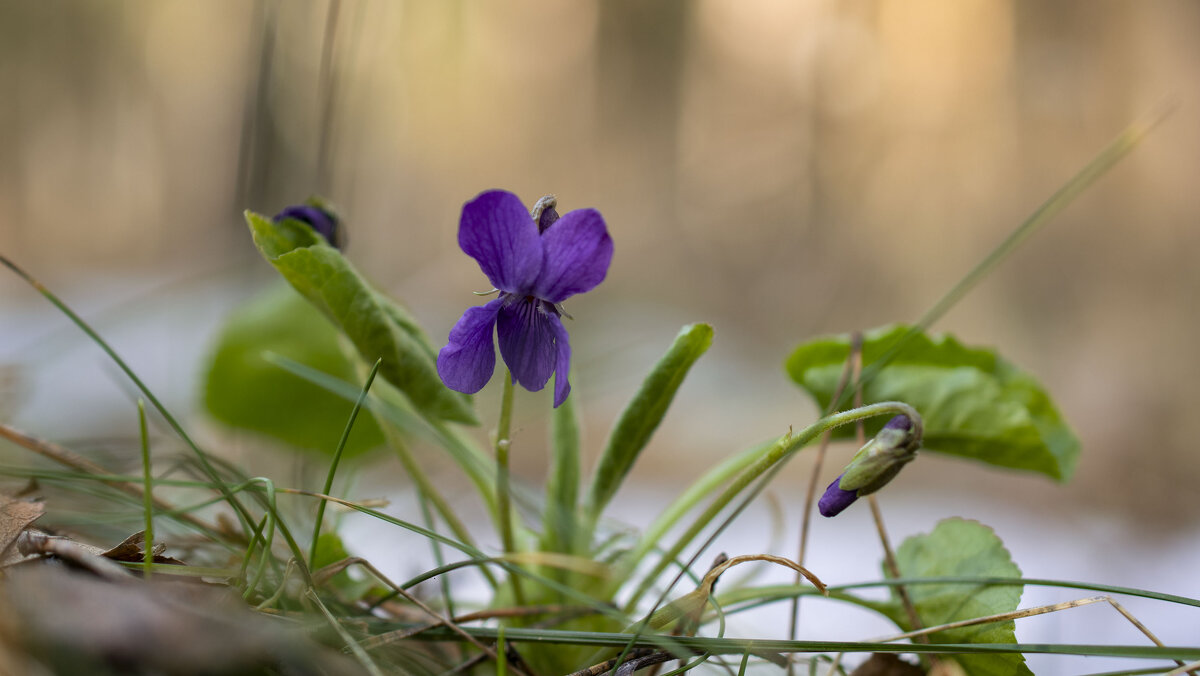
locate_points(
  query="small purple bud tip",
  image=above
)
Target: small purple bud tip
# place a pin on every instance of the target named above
(835, 499)
(900, 422)
(322, 221)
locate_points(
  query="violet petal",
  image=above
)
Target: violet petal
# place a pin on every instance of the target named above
(527, 341)
(501, 236)
(562, 366)
(835, 499)
(578, 251)
(467, 361)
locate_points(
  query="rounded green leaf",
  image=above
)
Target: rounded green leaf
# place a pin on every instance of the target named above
(974, 403)
(245, 390)
(962, 548)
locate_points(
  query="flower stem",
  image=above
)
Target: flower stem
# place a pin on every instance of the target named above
(503, 498)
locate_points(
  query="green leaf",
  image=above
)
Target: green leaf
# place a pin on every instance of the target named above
(244, 390)
(377, 327)
(958, 547)
(974, 403)
(562, 485)
(644, 413)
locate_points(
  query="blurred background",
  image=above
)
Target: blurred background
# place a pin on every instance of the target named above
(778, 169)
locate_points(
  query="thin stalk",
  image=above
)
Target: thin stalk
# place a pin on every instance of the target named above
(438, 557)
(784, 447)
(811, 494)
(147, 494)
(503, 498)
(890, 566)
(337, 457)
(737, 646)
(238, 508)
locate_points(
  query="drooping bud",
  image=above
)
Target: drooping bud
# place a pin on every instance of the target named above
(835, 499)
(318, 215)
(875, 464)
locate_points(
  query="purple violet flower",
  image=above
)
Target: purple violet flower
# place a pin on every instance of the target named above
(535, 266)
(323, 221)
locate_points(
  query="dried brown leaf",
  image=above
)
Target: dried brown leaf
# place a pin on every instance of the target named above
(15, 517)
(132, 550)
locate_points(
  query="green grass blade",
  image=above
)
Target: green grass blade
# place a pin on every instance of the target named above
(147, 493)
(337, 456)
(738, 646)
(1105, 160)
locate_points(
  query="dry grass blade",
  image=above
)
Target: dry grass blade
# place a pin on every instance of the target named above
(1041, 610)
(68, 458)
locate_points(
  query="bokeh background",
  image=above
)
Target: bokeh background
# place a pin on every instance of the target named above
(778, 169)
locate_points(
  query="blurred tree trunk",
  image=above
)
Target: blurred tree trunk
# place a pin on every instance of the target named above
(641, 48)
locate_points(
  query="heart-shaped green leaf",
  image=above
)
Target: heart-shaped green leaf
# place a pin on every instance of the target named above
(962, 548)
(974, 403)
(244, 390)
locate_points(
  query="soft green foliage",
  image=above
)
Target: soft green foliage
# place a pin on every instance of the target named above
(644, 413)
(377, 327)
(562, 484)
(974, 403)
(958, 547)
(245, 390)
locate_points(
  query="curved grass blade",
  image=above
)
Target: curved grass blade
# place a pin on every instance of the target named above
(337, 456)
(1105, 160)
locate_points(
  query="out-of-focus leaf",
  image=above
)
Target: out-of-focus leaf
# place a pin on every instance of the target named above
(974, 403)
(962, 548)
(378, 328)
(644, 413)
(245, 390)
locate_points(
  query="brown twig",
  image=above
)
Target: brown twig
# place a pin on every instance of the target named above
(73, 460)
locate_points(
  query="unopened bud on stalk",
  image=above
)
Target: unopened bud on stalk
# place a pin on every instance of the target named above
(875, 464)
(318, 215)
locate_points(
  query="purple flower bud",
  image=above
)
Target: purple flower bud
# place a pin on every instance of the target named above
(835, 499)
(321, 220)
(900, 422)
(875, 464)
